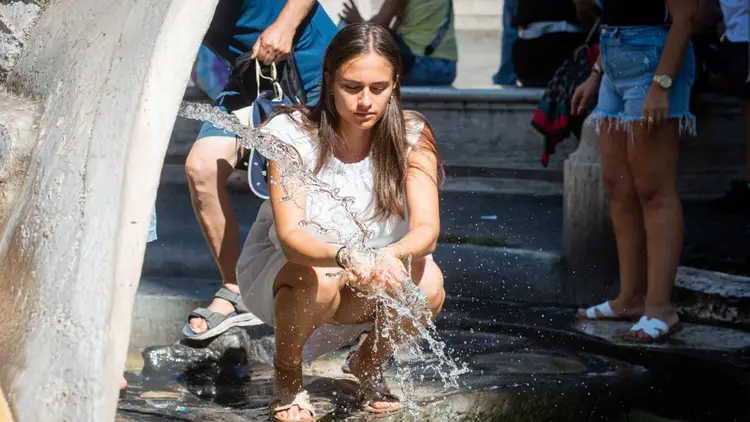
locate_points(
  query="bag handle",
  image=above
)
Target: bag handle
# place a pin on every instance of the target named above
(594, 30)
(441, 33)
(274, 78)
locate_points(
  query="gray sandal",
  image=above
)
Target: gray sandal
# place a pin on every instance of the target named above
(218, 323)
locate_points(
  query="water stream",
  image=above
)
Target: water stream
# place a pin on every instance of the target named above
(408, 302)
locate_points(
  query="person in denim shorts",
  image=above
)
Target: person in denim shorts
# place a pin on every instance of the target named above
(643, 79)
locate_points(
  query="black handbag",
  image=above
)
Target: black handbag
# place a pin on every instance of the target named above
(285, 72)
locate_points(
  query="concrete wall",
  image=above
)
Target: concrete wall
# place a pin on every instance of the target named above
(83, 132)
(485, 128)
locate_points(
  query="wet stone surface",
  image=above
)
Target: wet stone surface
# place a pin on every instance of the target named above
(701, 373)
(512, 378)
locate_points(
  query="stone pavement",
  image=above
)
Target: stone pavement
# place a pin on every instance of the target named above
(526, 363)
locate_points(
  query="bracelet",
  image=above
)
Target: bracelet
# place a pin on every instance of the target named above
(337, 258)
(398, 250)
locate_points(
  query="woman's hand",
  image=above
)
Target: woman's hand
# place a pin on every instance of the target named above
(351, 14)
(585, 94)
(358, 268)
(390, 270)
(655, 107)
(383, 270)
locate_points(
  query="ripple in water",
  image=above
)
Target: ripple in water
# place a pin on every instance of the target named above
(408, 303)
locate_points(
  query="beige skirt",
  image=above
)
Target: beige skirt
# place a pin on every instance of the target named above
(256, 278)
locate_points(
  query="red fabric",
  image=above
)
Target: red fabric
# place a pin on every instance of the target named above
(554, 126)
(593, 53)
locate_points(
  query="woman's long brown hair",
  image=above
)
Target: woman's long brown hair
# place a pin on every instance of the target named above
(389, 152)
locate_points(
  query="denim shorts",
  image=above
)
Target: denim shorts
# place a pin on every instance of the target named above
(431, 71)
(630, 56)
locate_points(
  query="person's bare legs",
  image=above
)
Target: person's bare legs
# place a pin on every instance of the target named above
(627, 221)
(375, 349)
(653, 160)
(306, 298)
(208, 166)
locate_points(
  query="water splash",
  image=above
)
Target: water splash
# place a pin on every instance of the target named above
(409, 302)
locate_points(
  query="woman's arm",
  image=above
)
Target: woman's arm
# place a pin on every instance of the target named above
(684, 15)
(707, 15)
(586, 12)
(389, 10)
(298, 245)
(421, 200)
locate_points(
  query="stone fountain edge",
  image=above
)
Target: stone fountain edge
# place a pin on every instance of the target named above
(486, 273)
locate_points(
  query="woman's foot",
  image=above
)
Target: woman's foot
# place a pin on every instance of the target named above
(614, 310)
(654, 326)
(289, 396)
(374, 394)
(123, 383)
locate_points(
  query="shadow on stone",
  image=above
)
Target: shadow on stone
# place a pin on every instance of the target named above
(512, 378)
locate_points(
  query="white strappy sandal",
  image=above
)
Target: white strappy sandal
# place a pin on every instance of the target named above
(601, 312)
(284, 400)
(654, 328)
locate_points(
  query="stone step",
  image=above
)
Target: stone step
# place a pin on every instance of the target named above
(503, 274)
(525, 265)
(490, 129)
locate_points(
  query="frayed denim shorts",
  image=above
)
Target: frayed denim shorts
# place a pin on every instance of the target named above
(630, 56)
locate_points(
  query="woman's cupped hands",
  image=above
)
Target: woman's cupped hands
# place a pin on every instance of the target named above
(378, 269)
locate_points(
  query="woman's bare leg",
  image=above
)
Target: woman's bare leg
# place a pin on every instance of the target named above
(653, 159)
(375, 350)
(627, 220)
(304, 299)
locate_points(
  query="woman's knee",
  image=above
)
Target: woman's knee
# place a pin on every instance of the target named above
(432, 284)
(329, 285)
(654, 163)
(619, 184)
(654, 191)
(317, 284)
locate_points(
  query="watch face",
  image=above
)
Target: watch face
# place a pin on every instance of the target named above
(664, 81)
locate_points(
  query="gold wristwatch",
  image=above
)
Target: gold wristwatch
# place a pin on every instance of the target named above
(663, 81)
(597, 68)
